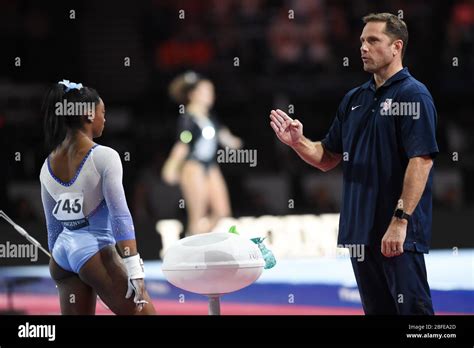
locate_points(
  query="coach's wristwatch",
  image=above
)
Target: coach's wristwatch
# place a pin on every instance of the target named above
(400, 214)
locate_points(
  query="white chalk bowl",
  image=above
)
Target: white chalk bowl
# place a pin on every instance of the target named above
(213, 264)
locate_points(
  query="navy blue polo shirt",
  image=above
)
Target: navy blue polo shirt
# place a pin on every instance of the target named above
(377, 132)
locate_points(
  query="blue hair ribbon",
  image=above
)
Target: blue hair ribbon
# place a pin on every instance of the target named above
(70, 85)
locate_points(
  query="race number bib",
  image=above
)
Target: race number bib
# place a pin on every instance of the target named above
(68, 210)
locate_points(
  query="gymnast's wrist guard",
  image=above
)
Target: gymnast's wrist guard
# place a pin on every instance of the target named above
(134, 266)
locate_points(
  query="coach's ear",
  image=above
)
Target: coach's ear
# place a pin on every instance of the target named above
(397, 47)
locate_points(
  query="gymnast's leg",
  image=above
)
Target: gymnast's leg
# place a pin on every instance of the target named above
(195, 191)
(106, 273)
(75, 296)
(218, 196)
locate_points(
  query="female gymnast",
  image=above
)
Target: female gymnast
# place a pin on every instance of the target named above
(90, 231)
(192, 161)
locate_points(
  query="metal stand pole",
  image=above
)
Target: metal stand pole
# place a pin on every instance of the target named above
(214, 305)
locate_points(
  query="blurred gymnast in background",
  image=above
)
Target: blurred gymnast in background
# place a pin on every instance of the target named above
(192, 161)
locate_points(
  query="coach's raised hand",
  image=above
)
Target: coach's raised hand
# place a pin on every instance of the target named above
(289, 131)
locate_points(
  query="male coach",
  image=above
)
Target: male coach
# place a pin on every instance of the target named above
(384, 132)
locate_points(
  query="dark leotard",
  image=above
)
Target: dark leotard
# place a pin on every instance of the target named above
(201, 136)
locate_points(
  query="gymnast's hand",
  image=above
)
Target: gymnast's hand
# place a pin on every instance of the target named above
(137, 286)
(136, 283)
(170, 173)
(289, 131)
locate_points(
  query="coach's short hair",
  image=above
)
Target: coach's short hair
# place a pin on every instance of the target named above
(394, 26)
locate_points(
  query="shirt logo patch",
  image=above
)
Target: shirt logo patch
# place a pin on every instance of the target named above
(387, 104)
(355, 107)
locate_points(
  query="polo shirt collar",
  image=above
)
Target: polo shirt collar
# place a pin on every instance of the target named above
(402, 74)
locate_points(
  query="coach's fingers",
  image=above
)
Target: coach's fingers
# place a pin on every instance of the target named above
(277, 118)
(275, 127)
(393, 248)
(400, 248)
(277, 123)
(281, 125)
(385, 248)
(280, 118)
(275, 113)
(284, 115)
(296, 124)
